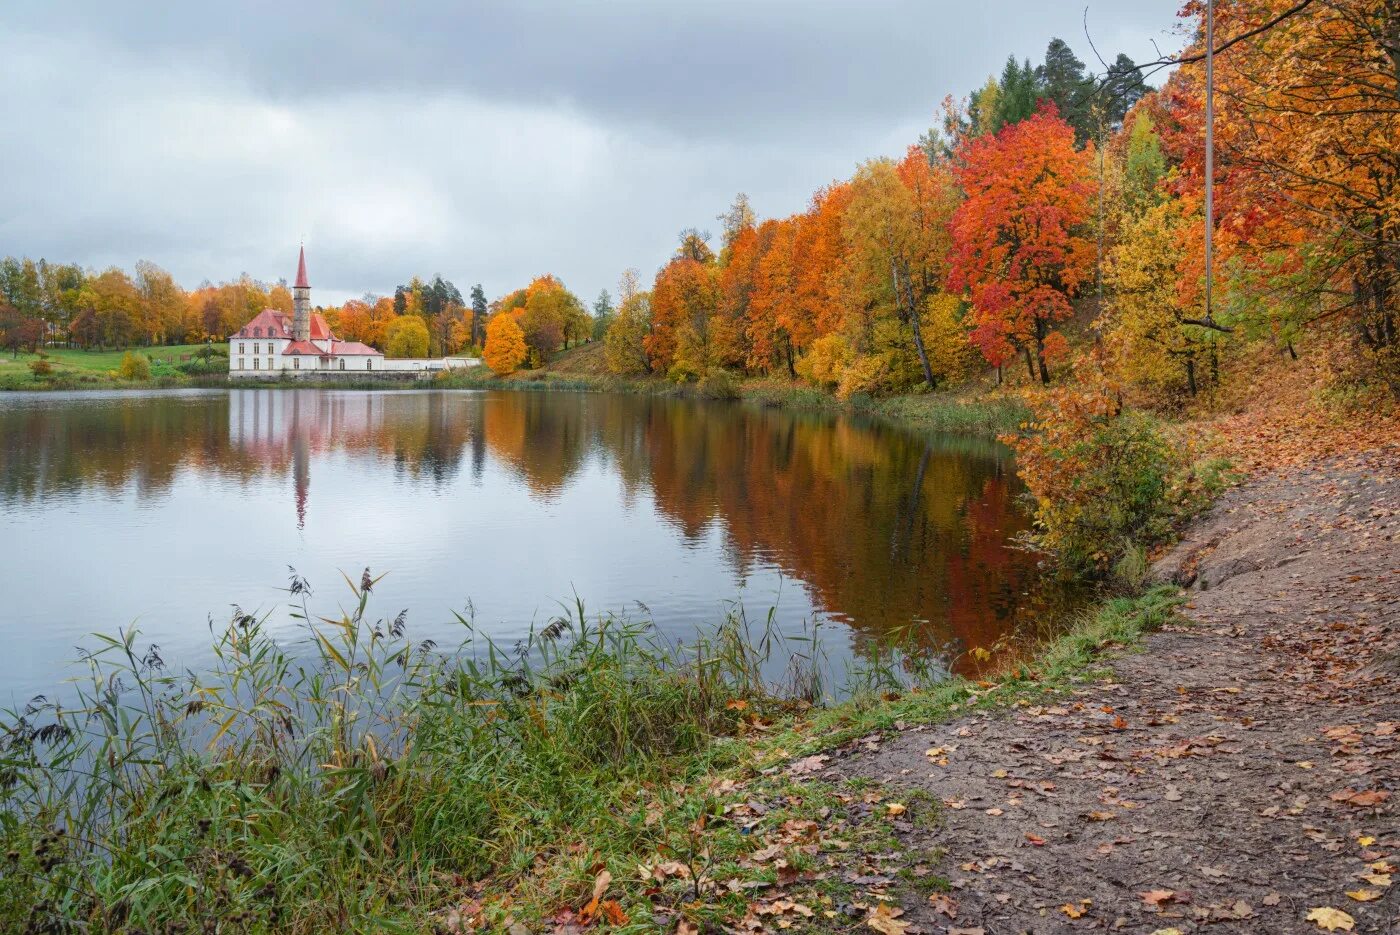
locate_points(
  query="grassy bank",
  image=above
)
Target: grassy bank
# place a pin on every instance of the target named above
(71, 368)
(371, 783)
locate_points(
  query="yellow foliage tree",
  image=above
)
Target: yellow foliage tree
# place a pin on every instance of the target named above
(624, 345)
(825, 361)
(406, 336)
(1152, 347)
(505, 344)
(951, 356)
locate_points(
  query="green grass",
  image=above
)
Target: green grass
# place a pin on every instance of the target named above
(73, 368)
(378, 784)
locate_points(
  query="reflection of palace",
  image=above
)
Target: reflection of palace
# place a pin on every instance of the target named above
(285, 428)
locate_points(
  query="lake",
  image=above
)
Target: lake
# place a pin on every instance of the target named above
(163, 510)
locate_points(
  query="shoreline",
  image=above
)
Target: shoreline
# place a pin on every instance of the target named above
(985, 414)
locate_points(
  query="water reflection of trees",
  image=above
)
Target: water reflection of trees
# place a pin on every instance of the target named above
(886, 529)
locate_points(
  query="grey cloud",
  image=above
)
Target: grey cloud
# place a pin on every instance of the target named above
(487, 142)
(715, 69)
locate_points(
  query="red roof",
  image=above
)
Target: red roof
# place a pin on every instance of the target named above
(302, 282)
(337, 348)
(271, 323)
(352, 349)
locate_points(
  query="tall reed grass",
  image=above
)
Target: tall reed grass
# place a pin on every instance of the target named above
(362, 781)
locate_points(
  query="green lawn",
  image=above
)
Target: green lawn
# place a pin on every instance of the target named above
(94, 366)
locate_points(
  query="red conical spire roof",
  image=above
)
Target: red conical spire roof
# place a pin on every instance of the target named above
(301, 282)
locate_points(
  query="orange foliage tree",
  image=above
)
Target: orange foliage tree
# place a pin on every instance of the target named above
(1019, 247)
(505, 344)
(1310, 125)
(685, 338)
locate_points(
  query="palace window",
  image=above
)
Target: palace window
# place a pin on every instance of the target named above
(369, 363)
(255, 363)
(342, 363)
(240, 363)
(296, 363)
(269, 363)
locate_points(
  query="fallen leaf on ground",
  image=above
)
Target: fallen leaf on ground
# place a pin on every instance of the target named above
(895, 809)
(1331, 919)
(1075, 912)
(884, 919)
(944, 904)
(1364, 896)
(600, 885)
(1036, 840)
(1157, 897)
(1378, 879)
(1100, 816)
(810, 764)
(1360, 799)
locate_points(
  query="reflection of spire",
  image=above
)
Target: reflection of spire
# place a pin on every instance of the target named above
(301, 462)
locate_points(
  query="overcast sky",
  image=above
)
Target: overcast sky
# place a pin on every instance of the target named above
(488, 142)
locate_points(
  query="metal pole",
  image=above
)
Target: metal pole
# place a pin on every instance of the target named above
(1210, 154)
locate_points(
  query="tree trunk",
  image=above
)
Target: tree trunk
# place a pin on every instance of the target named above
(904, 297)
(923, 355)
(1191, 374)
(1030, 364)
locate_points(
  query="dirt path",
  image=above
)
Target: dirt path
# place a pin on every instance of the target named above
(1240, 773)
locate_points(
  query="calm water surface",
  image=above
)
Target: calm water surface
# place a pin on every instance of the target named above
(165, 509)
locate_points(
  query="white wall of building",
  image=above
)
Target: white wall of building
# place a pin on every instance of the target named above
(254, 358)
(247, 356)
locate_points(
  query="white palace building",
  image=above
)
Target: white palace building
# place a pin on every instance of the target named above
(305, 346)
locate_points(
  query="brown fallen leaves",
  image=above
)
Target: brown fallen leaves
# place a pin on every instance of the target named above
(598, 908)
(1361, 799)
(944, 904)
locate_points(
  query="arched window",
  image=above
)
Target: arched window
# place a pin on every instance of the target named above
(369, 363)
(342, 363)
